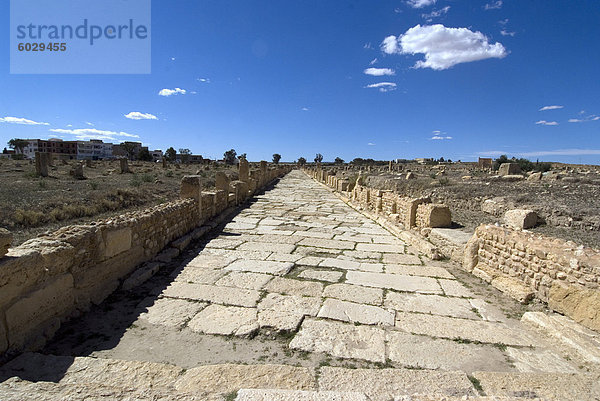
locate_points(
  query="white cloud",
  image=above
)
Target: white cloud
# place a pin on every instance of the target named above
(93, 133)
(443, 47)
(170, 92)
(504, 32)
(367, 46)
(440, 138)
(136, 115)
(544, 122)
(304, 109)
(555, 107)
(370, 144)
(89, 123)
(172, 58)
(378, 72)
(585, 119)
(20, 120)
(420, 3)
(435, 13)
(494, 5)
(503, 22)
(383, 86)
(205, 80)
(373, 61)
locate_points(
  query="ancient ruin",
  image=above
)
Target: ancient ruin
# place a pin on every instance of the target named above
(291, 284)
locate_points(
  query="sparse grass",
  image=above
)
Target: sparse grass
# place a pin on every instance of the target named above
(476, 384)
(231, 396)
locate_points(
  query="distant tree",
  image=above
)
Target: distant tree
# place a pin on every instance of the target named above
(318, 158)
(171, 154)
(276, 158)
(129, 148)
(542, 167)
(229, 156)
(499, 161)
(301, 161)
(441, 160)
(242, 156)
(18, 144)
(185, 155)
(144, 155)
(5, 151)
(339, 160)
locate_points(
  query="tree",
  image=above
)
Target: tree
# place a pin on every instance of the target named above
(318, 158)
(276, 158)
(301, 161)
(18, 144)
(129, 148)
(229, 156)
(171, 154)
(144, 155)
(242, 156)
(339, 160)
(499, 161)
(185, 155)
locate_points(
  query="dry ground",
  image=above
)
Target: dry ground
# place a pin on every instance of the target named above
(32, 204)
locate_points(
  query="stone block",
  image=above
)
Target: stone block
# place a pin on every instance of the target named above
(225, 320)
(509, 169)
(580, 304)
(221, 181)
(521, 219)
(434, 215)
(5, 241)
(29, 317)
(513, 288)
(535, 177)
(297, 395)
(356, 313)
(117, 241)
(124, 166)
(191, 186)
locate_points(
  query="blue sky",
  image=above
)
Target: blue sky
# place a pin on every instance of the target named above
(449, 78)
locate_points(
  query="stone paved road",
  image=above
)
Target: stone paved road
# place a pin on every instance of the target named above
(300, 297)
(300, 260)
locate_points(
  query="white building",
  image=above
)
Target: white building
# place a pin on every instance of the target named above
(94, 149)
(157, 155)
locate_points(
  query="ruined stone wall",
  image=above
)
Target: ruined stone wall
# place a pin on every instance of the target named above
(53, 277)
(524, 264)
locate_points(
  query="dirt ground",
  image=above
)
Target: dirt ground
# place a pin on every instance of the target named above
(32, 205)
(566, 200)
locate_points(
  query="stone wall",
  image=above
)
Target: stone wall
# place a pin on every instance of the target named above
(404, 211)
(523, 265)
(53, 277)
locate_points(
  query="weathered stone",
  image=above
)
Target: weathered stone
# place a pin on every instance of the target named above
(536, 360)
(225, 320)
(340, 264)
(295, 287)
(221, 181)
(433, 215)
(170, 312)
(322, 275)
(513, 288)
(212, 293)
(354, 293)
(451, 328)
(263, 246)
(535, 176)
(552, 386)
(509, 169)
(298, 395)
(141, 275)
(124, 166)
(199, 275)
(117, 241)
(341, 340)
(41, 164)
(580, 304)
(397, 282)
(423, 352)
(211, 261)
(401, 259)
(285, 312)
(261, 266)
(455, 289)
(251, 281)
(388, 384)
(327, 243)
(5, 241)
(355, 313)
(244, 170)
(520, 218)
(418, 270)
(225, 379)
(431, 304)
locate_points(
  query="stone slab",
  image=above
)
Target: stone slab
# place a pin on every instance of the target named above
(212, 293)
(431, 304)
(341, 340)
(330, 276)
(297, 395)
(537, 360)
(418, 270)
(452, 328)
(455, 289)
(286, 312)
(288, 286)
(211, 261)
(399, 282)
(261, 266)
(428, 353)
(383, 248)
(264, 246)
(199, 275)
(552, 386)
(327, 243)
(340, 264)
(355, 313)
(170, 312)
(251, 281)
(401, 259)
(388, 384)
(225, 320)
(354, 293)
(227, 378)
